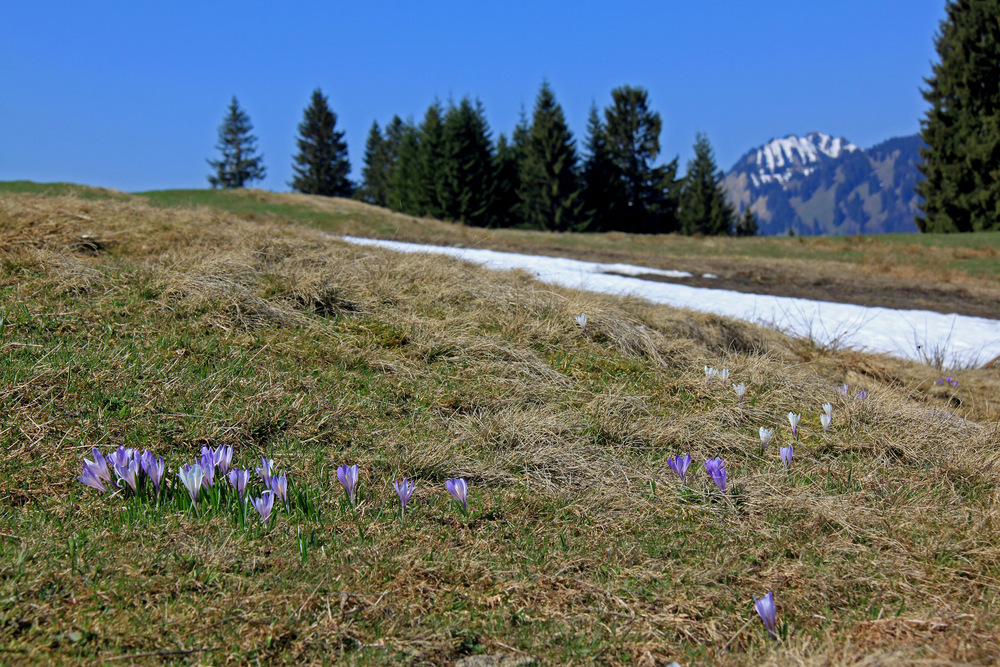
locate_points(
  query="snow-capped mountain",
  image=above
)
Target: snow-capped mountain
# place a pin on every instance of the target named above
(819, 184)
(780, 159)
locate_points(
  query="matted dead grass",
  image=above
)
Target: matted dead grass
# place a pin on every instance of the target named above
(177, 328)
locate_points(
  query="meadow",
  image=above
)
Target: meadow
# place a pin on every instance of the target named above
(184, 322)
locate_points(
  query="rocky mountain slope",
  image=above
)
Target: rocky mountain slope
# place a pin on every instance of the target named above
(818, 184)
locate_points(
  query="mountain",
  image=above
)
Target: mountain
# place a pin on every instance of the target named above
(818, 184)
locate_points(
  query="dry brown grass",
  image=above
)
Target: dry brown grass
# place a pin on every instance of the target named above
(177, 328)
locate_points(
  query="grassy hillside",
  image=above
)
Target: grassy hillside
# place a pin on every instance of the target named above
(146, 322)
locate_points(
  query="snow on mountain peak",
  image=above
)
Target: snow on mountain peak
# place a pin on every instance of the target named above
(779, 159)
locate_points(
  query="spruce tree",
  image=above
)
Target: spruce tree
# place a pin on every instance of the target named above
(644, 195)
(550, 185)
(747, 224)
(961, 165)
(240, 163)
(375, 174)
(506, 203)
(321, 166)
(467, 165)
(405, 177)
(430, 155)
(703, 205)
(599, 178)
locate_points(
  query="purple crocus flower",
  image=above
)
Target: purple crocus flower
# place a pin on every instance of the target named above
(843, 389)
(263, 504)
(862, 395)
(266, 466)
(119, 457)
(238, 478)
(127, 473)
(207, 462)
(766, 610)
(717, 471)
(793, 419)
(765, 438)
(786, 455)
(348, 476)
(458, 488)
(154, 468)
(91, 476)
(99, 465)
(191, 476)
(404, 490)
(826, 420)
(223, 456)
(279, 486)
(679, 464)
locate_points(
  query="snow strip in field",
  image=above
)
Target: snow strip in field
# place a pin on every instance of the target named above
(911, 334)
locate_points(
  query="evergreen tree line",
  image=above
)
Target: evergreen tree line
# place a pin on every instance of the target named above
(448, 167)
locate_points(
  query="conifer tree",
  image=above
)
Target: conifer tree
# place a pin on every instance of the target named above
(747, 224)
(405, 177)
(961, 166)
(430, 156)
(645, 196)
(599, 178)
(703, 205)
(240, 163)
(506, 204)
(550, 186)
(466, 193)
(321, 166)
(375, 174)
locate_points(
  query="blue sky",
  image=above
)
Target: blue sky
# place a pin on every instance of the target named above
(130, 95)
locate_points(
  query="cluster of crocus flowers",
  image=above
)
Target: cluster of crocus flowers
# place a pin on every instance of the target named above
(712, 373)
(134, 468)
(129, 465)
(950, 381)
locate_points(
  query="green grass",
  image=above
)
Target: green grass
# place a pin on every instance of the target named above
(201, 327)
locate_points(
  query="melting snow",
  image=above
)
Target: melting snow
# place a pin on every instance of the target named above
(910, 334)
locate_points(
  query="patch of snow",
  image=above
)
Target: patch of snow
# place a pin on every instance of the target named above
(909, 334)
(709, 275)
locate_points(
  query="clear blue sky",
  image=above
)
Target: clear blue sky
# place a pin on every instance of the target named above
(130, 95)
